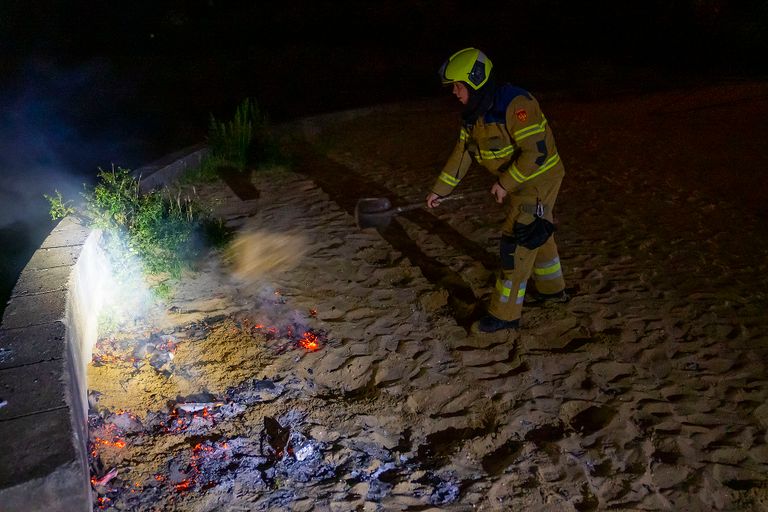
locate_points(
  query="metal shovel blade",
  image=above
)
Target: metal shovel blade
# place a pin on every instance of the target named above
(373, 205)
(377, 212)
(373, 212)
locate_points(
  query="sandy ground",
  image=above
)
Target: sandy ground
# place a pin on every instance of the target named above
(647, 391)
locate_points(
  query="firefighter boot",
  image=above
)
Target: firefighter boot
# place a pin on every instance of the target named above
(554, 298)
(490, 323)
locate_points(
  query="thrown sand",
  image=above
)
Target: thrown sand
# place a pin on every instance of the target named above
(255, 253)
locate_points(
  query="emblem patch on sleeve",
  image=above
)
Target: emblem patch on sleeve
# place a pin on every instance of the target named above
(522, 115)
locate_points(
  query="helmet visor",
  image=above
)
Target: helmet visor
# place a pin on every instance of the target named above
(441, 72)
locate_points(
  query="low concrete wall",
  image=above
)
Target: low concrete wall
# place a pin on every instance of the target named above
(171, 167)
(43, 433)
(46, 336)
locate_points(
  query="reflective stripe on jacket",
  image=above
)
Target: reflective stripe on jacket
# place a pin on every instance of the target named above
(512, 140)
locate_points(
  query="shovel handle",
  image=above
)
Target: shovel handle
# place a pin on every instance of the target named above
(452, 197)
(381, 218)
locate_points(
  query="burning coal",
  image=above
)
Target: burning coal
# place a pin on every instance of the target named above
(182, 390)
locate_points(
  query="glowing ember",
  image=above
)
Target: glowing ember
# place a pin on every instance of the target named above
(184, 485)
(309, 341)
(167, 345)
(105, 479)
(106, 358)
(293, 335)
(199, 452)
(105, 442)
(103, 502)
(182, 417)
(110, 437)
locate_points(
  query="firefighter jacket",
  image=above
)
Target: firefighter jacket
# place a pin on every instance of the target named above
(512, 140)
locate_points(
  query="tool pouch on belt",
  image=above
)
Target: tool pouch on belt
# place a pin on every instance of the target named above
(533, 235)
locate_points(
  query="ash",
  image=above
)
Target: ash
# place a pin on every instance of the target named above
(250, 442)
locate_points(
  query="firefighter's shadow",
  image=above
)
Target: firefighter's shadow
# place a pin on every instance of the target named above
(239, 181)
(465, 306)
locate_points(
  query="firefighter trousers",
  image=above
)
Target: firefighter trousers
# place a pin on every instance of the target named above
(519, 263)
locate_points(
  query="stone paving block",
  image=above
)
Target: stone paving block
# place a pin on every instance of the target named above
(35, 310)
(41, 468)
(33, 388)
(65, 239)
(67, 233)
(40, 281)
(29, 345)
(34, 445)
(69, 223)
(54, 257)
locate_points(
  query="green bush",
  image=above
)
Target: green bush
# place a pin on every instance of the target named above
(60, 207)
(166, 232)
(244, 141)
(206, 172)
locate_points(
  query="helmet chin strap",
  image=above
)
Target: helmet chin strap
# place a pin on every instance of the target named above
(480, 101)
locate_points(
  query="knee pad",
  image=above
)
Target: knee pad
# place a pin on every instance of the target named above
(507, 247)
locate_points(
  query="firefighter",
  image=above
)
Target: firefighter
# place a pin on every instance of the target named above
(506, 132)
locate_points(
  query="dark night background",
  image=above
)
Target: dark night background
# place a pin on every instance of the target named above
(86, 85)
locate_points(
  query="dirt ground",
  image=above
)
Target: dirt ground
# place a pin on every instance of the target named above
(647, 391)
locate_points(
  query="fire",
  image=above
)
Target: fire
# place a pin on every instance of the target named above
(168, 345)
(309, 341)
(200, 447)
(184, 485)
(290, 336)
(119, 443)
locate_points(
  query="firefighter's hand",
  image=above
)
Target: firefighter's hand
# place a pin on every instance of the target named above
(498, 192)
(433, 200)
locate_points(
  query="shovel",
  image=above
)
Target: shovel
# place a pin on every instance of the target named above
(377, 212)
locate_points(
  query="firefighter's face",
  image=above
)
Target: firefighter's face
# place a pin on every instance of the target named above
(461, 92)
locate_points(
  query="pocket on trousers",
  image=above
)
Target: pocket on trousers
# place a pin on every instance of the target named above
(533, 235)
(507, 248)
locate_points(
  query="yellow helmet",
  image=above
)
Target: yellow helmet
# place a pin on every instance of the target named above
(469, 65)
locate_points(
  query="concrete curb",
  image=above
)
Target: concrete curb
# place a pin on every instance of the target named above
(46, 335)
(170, 167)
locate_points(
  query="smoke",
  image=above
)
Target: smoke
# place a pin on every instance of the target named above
(126, 298)
(58, 125)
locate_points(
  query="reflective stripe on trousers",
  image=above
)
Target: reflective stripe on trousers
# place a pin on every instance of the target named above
(504, 288)
(547, 270)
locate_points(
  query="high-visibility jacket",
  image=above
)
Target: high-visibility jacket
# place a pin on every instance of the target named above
(512, 140)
